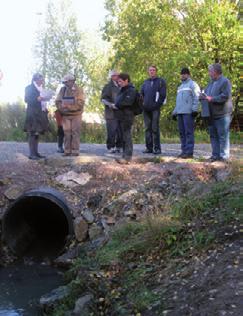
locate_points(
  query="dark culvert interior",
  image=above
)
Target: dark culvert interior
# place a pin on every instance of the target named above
(37, 227)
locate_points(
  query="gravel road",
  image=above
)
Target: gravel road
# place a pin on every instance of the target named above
(10, 151)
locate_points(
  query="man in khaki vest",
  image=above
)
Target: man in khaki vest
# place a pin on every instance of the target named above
(70, 103)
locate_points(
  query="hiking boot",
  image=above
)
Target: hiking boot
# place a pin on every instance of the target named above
(60, 150)
(186, 156)
(34, 157)
(40, 156)
(147, 151)
(157, 152)
(112, 150)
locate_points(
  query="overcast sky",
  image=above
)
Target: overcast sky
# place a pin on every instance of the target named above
(18, 24)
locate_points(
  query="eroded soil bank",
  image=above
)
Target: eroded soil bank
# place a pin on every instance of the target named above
(102, 196)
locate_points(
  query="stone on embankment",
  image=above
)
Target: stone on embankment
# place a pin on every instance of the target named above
(50, 301)
(80, 229)
(88, 216)
(95, 232)
(13, 192)
(82, 306)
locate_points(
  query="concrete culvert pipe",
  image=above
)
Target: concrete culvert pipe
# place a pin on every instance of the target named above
(37, 224)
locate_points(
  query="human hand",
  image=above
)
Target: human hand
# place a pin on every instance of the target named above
(174, 117)
(209, 99)
(39, 98)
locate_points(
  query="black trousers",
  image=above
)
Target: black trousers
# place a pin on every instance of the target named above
(114, 133)
(60, 136)
(152, 131)
(127, 138)
(33, 140)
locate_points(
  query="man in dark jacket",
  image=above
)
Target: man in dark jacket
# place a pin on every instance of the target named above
(113, 124)
(219, 98)
(154, 94)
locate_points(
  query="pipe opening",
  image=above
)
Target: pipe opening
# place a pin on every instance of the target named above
(37, 225)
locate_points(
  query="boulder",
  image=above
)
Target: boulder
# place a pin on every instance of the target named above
(80, 228)
(82, 306)
(50, 301)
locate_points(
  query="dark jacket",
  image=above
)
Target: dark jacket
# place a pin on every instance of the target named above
(109, 93)
(36, 119)
(149, 91)
(125, 101)
(221, 104)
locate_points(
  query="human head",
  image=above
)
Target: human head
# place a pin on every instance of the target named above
(123, 79)
(152, 71)
(68, 80)
(113, 74)
(185, 73)
(214, 71)
(38, 79)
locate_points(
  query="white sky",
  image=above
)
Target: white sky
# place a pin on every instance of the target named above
(18, 24)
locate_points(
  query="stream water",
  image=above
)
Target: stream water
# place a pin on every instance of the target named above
(22, 285)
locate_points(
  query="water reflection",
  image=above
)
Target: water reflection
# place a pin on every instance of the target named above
(22, 285)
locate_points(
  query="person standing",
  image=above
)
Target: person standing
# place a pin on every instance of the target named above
(219, 97)
(124, 103)
(70, 103)
(186, 110)
(113, 124)
(60, 131)
(36, 121)
(154, 94)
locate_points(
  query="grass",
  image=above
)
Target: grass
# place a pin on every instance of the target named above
(122, 271)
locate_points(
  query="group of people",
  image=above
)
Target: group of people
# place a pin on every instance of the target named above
(69, 103)
(119, 97)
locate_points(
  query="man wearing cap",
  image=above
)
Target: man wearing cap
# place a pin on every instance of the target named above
(113, 124)
(186, 110)
(70, 103)
(219, 97)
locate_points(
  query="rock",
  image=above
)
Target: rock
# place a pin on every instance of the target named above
(66, 260)
(13, 192)
(80, 228)
(125, 197)
(95, 231)
(82, 305)
(72, 179)
(94, 201)
(222, 174)
(88, 216)
(51, 300)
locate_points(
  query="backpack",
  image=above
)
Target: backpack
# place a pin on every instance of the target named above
(138, 104)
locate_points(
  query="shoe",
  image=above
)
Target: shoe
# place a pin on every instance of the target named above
(34, 157)
(157, 152)
(180, 155)
(74, 154)
(67, 154)
(148, 151)
(112, 151)
(60, 150)
(213, 158)
(123, 161)
(118, 150)
(40, 156)
(186, 156)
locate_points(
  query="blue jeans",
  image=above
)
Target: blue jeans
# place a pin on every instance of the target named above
(219, 137)
(186, 130)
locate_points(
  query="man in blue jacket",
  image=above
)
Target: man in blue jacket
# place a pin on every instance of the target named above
(186, 110)
(219, 98)
(154, 94)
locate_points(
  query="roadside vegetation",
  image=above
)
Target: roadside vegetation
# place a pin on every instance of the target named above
(126, 276)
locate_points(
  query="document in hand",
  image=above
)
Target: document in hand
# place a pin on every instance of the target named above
(47, 94)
